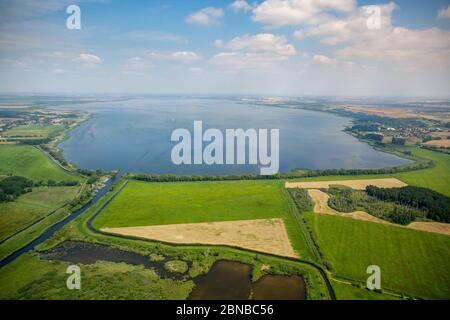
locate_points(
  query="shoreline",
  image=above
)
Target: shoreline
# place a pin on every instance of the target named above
(415, 163)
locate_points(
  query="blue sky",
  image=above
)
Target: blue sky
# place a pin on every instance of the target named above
(278, 47)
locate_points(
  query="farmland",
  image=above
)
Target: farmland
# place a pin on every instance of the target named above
(24, 219)
(27, 161)
(32, 206)
(411, 262)
(150, 204)
(436, 178)
(33, 131)
(46, 279)
(33, 278)
(265, 235)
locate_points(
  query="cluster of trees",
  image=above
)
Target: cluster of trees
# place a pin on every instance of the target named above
(53, 183)
(374, 137)
(12, 187)
(187, 178)
(344, 199)
(301, 199)
(435, 205)
(399, 141)
(80, 200)
(368, 127)
(93, 176)
(35, 142)
(299, 173)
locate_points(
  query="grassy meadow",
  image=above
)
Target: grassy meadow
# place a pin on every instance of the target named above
(31, 163)
(411, 262)
(145, 204)
(33, 131)
(436, 178)
(31, 206)
(29, 277)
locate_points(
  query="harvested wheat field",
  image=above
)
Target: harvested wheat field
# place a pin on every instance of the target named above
(264, 235)
(435, 227)
(321, 206)
(440, 134)
(438, 143)
(354, 184)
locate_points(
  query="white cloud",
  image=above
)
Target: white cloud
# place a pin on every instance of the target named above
(390, 43)
(218, 43)
(240, 5)
(263, 42)
(185, 56)
(253, 52)
(248, 60)
(323, 60)
(298, 35)
(444, 13)
(89, 58)
(293, 12)
(206, 17)
(353, 27)
(182, 56)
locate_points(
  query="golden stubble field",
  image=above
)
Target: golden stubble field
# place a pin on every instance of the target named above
(354, 184)
(264, 235)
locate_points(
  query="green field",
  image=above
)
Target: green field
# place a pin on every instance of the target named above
(32, 278)
(144, 204)
(346, 291)
(34, 131)
(31, 206)
(29, 162)
(411, 262)
(436, 178)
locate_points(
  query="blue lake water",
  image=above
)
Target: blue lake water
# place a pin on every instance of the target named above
(135, 136)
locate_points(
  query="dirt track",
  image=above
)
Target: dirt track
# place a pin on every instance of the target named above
(321, 207)
(354, 184)
(265, 235)
(436, 227)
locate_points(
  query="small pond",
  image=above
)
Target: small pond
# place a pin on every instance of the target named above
(226, 280)
(229, 280)
(87, 253)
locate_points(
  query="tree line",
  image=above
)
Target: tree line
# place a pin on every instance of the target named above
(435, 205)
(12, 187)
(299, 173)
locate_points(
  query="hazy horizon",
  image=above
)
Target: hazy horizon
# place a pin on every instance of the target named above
(272, 47)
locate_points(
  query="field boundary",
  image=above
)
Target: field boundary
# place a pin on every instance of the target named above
(94, 230)
(32, 223)
(56, 162)
(313, 247)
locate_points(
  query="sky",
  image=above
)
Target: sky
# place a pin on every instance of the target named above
(265, 47)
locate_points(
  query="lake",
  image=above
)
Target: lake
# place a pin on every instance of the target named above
(135, 136)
